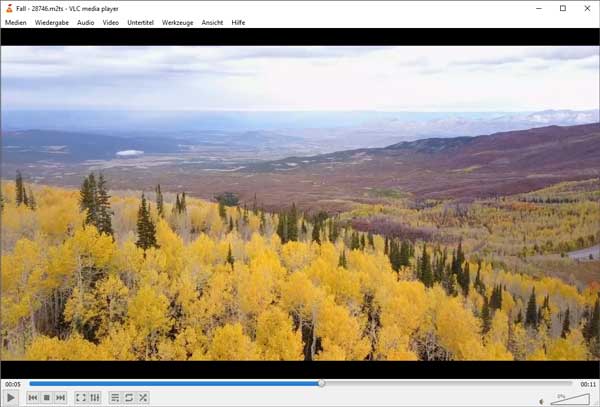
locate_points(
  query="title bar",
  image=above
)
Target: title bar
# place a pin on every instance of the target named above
(300, 14)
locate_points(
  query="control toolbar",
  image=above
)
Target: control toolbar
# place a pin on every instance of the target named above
(296, 393)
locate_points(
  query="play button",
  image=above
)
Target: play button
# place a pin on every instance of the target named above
(11, 398)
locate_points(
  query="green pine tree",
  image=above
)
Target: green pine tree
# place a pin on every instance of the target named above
(592, 330)
(566, 328)
(592, 327)
(496, 299)
(354, 241)
(245, 215)
(145, 227)
(104, 212)
(394, 255)
(222, 210)
(84, 195)
(438, 271)
(230, 259)
(282, 226)
(31, 200)
(479, 285)
(404, 254)
(177, 207)
(425, 272)
(263, 222)
(88, 200)
(342, 260)
(335, 232)
(19, 189)
(160, 203)
(292, 224)
(25, 198)
(182, 203)
(486, 317)
(254, 205)
(316, 232)
(466, 280)
(531, 316)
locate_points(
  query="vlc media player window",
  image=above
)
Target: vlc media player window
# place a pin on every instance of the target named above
(300, 203)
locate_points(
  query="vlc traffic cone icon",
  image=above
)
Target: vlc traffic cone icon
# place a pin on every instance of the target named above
(9, 8)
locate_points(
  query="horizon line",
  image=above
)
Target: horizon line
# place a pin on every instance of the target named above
(5, 110)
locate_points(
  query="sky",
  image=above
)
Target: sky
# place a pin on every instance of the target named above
(301, 78)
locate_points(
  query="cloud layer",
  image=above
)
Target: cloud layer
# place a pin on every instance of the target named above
(301, 78)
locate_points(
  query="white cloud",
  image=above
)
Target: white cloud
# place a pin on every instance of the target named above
(130, 153)
(300, 78)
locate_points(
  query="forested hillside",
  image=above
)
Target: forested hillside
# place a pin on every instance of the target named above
(165, 276)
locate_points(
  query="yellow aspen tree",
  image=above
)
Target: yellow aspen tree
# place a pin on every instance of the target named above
(275, 337)
(148, 312)
(23, 274)
(73, 348)
(573, 347)
(202, 251)
(296, 255)
(217, 305)
(393, 344)
(184, 346)
(337, 327)
(255, 291)
(458, 330)
(301, 298)
(128, 262)
(171, 245)
(119, 343)
(404, 306)
(230, 343)
(111, 303)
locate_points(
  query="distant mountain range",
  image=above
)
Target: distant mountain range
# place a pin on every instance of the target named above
(174, 123)
(395, 129)
(497, 164)
(248, 163)
(71, 137)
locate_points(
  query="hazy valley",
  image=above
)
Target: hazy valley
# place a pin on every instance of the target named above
(348, 158)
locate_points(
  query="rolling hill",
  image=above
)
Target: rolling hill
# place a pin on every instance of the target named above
(436, 168)
(463, 167)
